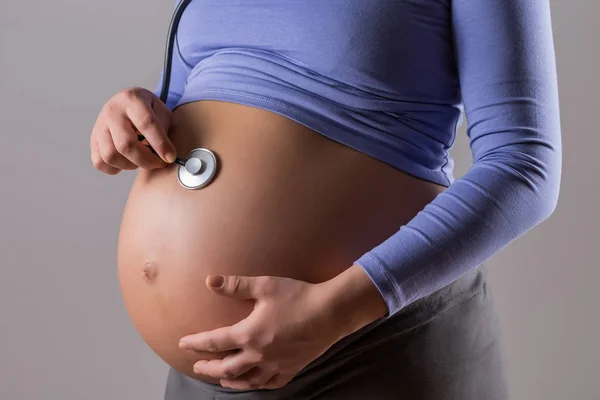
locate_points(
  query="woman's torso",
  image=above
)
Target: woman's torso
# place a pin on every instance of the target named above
(380, 77)
(286, 201)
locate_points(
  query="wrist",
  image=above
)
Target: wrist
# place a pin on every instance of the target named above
(354, 300)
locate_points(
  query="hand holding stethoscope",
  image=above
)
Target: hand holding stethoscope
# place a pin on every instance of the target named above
(135, 114)
(114, 141)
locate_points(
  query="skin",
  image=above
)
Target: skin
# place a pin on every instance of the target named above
(276, 340)
(257, 330)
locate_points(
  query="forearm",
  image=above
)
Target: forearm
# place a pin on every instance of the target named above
(353, 300)
(496, 202)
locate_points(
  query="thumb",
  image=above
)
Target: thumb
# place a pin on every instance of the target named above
(242, 287)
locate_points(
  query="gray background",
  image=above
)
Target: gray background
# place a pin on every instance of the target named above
(64, 333)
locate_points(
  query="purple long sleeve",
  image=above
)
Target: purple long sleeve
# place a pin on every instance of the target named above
(506, 64)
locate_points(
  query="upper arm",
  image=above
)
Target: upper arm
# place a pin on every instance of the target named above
(506, 64)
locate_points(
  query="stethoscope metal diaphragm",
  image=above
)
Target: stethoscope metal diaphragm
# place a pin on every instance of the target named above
(199, 169)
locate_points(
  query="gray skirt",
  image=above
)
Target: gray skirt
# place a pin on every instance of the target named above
(446, 346)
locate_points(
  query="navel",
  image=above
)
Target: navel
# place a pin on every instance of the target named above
(150, 271)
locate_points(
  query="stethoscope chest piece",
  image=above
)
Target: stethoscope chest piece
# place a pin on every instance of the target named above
(199, 169)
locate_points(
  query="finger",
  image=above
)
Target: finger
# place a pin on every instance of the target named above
(109, 152)
(163, 113)
(242, 287)
(238, 385)
(148, 124)
(275, 382)
(126, 142)
(220, 339)
(252, 379)
(255, 377)
(98, 161)
(229, 367)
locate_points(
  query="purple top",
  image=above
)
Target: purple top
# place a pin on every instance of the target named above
(390, 78)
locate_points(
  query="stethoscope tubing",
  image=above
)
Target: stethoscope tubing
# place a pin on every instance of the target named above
(200, 167)
(171, 36)
(168, 63)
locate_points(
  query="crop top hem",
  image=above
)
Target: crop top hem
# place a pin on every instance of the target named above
(323, 126)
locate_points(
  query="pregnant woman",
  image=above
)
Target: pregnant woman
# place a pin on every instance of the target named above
(333, 255)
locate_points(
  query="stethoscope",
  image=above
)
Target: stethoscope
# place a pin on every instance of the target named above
(199, 167)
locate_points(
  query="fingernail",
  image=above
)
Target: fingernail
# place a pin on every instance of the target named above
(170, 156)
(183, 345)
(217, 281)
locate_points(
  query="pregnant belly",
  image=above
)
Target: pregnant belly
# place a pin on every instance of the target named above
(286, 201)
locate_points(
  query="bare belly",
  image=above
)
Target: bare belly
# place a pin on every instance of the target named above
(286, 201)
